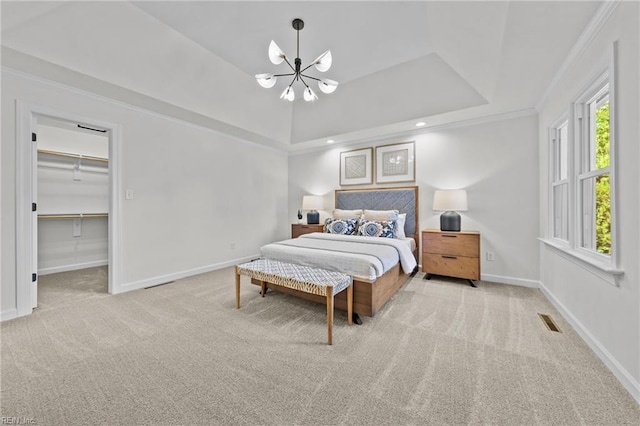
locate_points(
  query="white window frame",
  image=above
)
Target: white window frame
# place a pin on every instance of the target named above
(584, 112)
(554, 162)
(605, 266)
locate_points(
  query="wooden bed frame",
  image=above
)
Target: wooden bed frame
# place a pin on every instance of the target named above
(370, 296)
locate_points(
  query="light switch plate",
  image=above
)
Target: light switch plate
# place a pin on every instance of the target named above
(128, 194)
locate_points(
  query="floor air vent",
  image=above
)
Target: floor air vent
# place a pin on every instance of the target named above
(157, 285)
(548, 321)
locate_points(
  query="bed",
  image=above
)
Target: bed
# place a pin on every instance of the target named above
(376, 283)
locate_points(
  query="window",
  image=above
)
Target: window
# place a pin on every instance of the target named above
(559, 148)
(582, 179)
(593, 180)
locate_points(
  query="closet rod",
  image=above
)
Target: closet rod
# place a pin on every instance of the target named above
(72, 216)
(66, 154)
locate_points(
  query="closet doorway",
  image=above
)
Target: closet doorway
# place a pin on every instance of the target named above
(31, 119)
(72, 225)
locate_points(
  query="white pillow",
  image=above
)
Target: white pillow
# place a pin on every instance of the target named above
(377, 215)
(402, 218)
(346, 214)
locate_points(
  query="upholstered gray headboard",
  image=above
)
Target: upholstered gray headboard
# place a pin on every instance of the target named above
(403, 199)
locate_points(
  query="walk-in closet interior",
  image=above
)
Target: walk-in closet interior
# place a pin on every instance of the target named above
(73, 211)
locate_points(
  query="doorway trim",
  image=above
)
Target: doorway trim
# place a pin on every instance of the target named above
(26, 121)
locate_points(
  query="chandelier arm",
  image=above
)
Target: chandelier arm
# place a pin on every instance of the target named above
(283, 75)
(294, 80)
(304, 82)
(312, 78)
(289, 63)
(309, 66)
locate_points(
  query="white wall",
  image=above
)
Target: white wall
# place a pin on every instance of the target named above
(497, 162)
(59, 250)
(608, 316)
(198, 193)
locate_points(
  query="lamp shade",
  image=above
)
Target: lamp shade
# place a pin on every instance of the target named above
(276, 55)
(450, 200)
(323, 62)
(312, 202)
(309, 95)
(327, 86)
(266, 80)
(288, 94)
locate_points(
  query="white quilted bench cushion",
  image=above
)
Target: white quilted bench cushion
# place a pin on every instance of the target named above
(298, 277)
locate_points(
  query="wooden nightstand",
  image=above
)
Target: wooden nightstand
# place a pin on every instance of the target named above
(454, 254)
(298, 229)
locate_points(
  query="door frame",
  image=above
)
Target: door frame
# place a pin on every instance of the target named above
(26, 123)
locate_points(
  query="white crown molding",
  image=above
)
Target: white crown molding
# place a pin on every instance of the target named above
(155, 114)
(422, 130)
(591, 30)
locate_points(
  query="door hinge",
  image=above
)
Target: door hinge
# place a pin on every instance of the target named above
(34, 207)
(34, 277)
(33, 137)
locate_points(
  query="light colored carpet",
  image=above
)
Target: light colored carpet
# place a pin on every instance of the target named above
(440, 352)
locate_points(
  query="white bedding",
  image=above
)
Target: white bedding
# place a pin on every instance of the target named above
(362, 257)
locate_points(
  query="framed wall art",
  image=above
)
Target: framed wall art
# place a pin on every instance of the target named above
(396, 163)
(356, 167)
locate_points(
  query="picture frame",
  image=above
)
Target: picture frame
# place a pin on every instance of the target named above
(356, 167)
(396, 163)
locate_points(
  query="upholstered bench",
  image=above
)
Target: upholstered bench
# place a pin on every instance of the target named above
(302, 278)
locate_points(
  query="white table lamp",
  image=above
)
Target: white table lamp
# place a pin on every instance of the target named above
(312, 203)
(450, 201)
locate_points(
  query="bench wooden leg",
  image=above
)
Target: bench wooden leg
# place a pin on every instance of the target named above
(263, 288)
(329, 315)
(350, 305)
(237, 289)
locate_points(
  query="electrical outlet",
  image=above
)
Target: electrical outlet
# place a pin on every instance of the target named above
(128, 194)
(490, 256)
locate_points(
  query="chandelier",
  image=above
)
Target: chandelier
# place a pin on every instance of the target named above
(277, 56)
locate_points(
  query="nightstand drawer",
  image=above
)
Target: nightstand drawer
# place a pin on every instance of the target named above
(298, 229)
(451, 265)
(454, 244)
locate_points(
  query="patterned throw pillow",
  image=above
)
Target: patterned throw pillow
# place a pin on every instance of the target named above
(340, 226)
(372, 228)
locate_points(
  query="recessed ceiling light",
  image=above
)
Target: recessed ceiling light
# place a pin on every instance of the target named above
(420, 124)
(330, 141)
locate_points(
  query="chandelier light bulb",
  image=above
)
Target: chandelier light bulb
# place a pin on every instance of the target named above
(288, 94)
(323, 62)
(309, 95)
(267, 80)
(327, 86)
(276, 55)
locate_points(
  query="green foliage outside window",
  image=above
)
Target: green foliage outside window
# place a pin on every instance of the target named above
(603, 186)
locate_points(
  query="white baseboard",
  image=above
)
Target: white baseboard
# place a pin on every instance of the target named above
(8, 315)
(149, 282)
(510, 280)
(629, 383)
(74, 267)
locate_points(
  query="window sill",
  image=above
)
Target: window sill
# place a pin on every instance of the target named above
(603, 270)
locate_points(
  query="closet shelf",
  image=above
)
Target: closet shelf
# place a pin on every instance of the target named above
(72, 216)
(70, 155)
